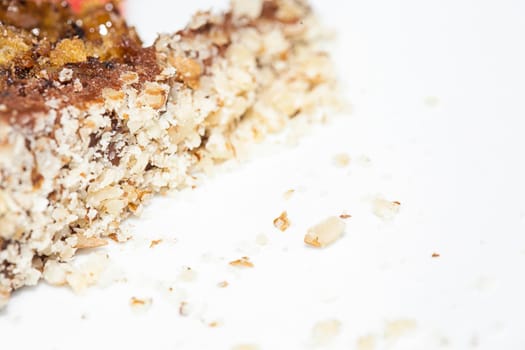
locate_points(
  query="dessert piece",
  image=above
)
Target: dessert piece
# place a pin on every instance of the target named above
(92, 123)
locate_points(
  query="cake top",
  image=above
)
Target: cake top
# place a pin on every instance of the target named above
(49, 51)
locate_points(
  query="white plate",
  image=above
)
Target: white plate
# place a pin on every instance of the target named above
(456, 167)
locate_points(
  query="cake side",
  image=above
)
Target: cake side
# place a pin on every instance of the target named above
(68, 179)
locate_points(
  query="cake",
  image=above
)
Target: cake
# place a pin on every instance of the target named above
(93, 123)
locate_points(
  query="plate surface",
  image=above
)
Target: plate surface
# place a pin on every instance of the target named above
(438, 90)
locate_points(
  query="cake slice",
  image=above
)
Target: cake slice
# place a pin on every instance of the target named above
(92, 124)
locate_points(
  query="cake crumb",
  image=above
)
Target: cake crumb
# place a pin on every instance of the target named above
(398, 328)
(155, 242)
(324, 233)
(435, 255)
(184, 309)
(367, 342)
(261, 239)
(325, 331)
(213, 324)
(223, 284)
(288, 194)
(242, 262)
(282, 222)
(140, 304)
(341, 160)
(385, 209)
(345, 216)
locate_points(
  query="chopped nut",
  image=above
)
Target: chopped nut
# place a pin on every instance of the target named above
(398, 328)
(223, 284)
(155, 242)
(324, 233)
(324, 331)
(188, 71)
(84, 242)
(282, 222)
(385, 209)
(242, 262)
(435, 255)
(341, 160)
(139, 304)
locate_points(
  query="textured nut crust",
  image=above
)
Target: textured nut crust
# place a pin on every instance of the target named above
(71, 178)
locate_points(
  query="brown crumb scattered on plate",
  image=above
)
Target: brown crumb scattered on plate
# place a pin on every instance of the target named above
(184, 309)
(324, 233)
(282, 222)
(345, 216)
(223, 284)
(435, 255)
(140, 304)
(155, 242)
(242, 262)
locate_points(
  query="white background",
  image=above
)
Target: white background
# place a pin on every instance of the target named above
(456, 167)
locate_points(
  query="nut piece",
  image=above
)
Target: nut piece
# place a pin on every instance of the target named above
(84, 242)
(385, 209)
(282, 222)
(139, 304)
(326, 232)
(155, 242)
(242, 262)
(188, 71)
(223, 284)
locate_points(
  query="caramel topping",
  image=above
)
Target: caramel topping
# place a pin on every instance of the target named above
(39, 39)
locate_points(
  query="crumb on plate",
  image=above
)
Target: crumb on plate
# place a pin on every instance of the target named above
(385, 209)
(341, 160)
(288, 194)
(282, 222)
(155, 242)
(223, 284)
(242, 262)
(140, 304)
(326, 232)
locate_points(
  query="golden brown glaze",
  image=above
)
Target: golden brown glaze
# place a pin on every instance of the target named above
(38, 40)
